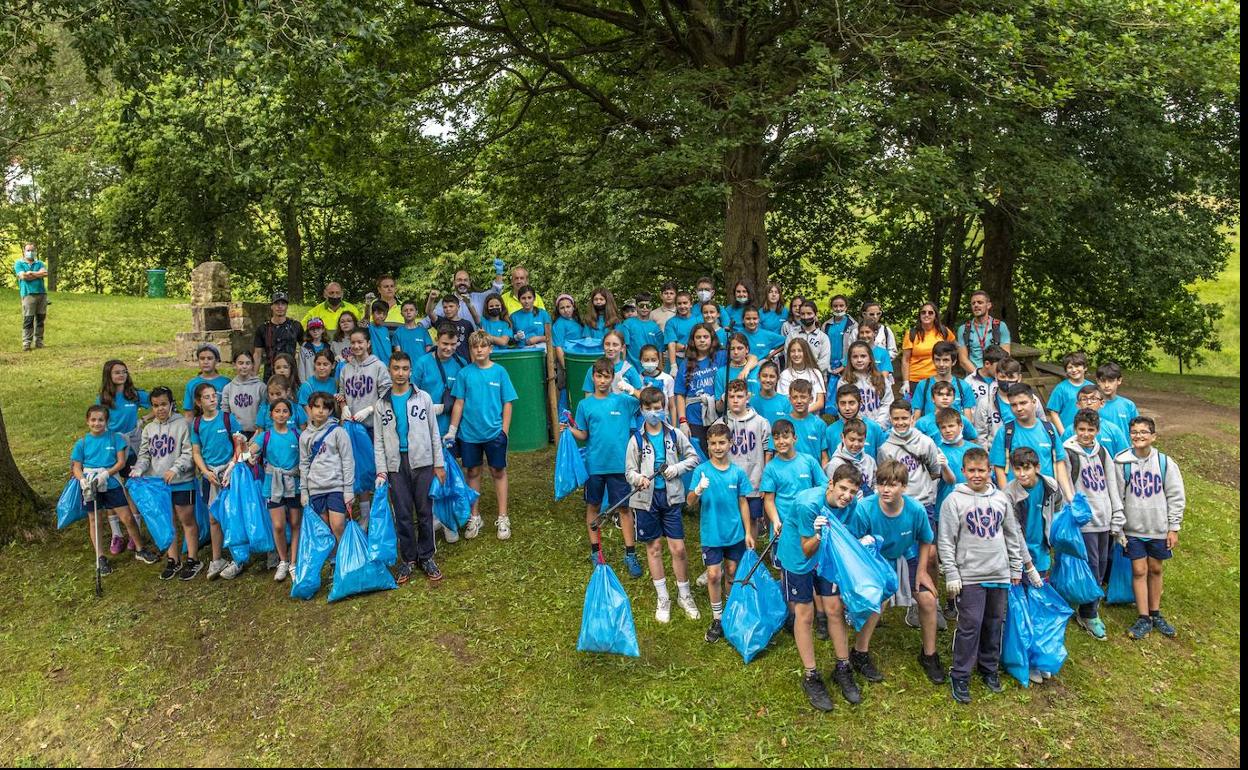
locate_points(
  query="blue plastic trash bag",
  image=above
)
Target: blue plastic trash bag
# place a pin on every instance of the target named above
(859, 572)
(1064, 534)
(755, 611)
(69, 507)
(316, 543)
(228, 510)
(1049, 614)
(570, 470)
(201, 516)
(1073, 579)
(607, 617)
(1081, 510)
(362, 451)
(452, 501)
(354, 572)
(382, 543)
(152, 497)
(255, 511)
(1017, 639)
(583, 346)
(1121, 589)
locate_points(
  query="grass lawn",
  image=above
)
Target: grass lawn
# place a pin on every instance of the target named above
(1224, 290)
(483, 668)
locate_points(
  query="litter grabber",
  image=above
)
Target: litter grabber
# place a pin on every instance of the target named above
(597, 522)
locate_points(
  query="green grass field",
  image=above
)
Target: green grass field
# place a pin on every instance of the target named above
(483, 669)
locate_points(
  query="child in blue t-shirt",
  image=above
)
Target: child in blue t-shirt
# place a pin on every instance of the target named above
(848, 407)
(952, 443)
(380, 336)
(275, 451)
(412, 338)
(677, 330)
(322, 379)
(625, 372)
(602, 419)
(695, 381)
(943, 356)
(209, 358)
(767, 401)
(95, 461)
(1117, 409)
(216, 443)
(943, 398)
(641, 330)
(483, 402)
(531, 325)
(763, 342)
(436, 372)
(1062, 406)
(718, 489)
(123, 401)
(808, 428)
(1026, 430)
(496, 323)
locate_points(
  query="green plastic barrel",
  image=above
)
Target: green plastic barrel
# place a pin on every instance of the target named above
(577, 365)
(527, 369)
(156, 283)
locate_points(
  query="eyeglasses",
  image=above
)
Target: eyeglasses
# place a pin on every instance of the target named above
(1141, 433)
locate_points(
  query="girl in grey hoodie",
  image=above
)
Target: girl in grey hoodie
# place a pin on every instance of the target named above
(242, 396)
(362, 377)
(326, 465)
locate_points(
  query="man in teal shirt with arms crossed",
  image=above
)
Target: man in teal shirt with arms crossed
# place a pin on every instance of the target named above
(30, 274)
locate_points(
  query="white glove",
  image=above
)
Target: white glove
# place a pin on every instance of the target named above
(303, 498)
(675, 368)
(708, 400)
(438, 407)
(684, 428)
(821, 521)
(346, 413)
(1033, 576)
(135, 473)
(625, 388)
(85, 483)
(867, 540)
(702, 485)
(953, 587)
(905, 389)
(449, 436)
(1121, 538)
(102, 477)
(245, 457)
(670, 473)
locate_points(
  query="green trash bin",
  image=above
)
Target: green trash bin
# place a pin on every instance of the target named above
(156, 283)
(577, 365)
(527, 369)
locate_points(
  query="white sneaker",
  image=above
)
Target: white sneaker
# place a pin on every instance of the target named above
(1046, 675)
(272, 560)
(663, 613)
(474, 527)
(214, 568)
(283, 569)
(231, 571)
(702, 579)
(451, 535)
(1035, 676)
(689, 606)
(504, 527)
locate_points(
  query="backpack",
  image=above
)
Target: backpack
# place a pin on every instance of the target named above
(1075, 458)
(994, 330)
(228, 428)
(1009, 429)
(1161, 462)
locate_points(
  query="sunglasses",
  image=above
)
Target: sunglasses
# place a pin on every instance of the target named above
(927, 312)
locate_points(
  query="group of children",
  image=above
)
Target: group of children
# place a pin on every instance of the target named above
(732, 413)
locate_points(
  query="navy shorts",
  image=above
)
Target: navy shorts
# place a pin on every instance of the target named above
(913, 569)
(662, 520)
(614, 485)
(801, 587)
(183, 497)
(716, 554)
(330, 501)
(494, 451)
(756, 507)
(1150, 547)
(288, 502)
(108, 500)
(932, 518)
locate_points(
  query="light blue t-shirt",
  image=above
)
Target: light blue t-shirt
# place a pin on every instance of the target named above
(787, 478)
(99, 452)
(427, 377)
(264, 417)
(953, 456)
(659, 445)
(928, 427)
(637, 334)
(772, 320)
(316, 385)
(810, 432)
(631, 376)
(598, 329)
(963, 395)
(399, 403)
(800, 523)
(677, 330)
(729, 373)
(123, 415)
(1109, 436)
(497, 327)
(608, 421)
(721, 509)
(188, 396)
(895, 534)
(980, 337)
(701, 380)
(775, 408)
(414, 342)
(564, 329)
(1036, 437)
(882, 361)
(34, 286)
(214, 437)
(1120, 411)
(1063, 400)
(532, 323)
(283, 448)
(380, 338)
(875, 437)
(483, 391)
(763, 341)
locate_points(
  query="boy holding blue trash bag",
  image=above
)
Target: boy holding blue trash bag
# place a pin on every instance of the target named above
(165, 452)
(1036, 499)
(407, 448)
(981, 555)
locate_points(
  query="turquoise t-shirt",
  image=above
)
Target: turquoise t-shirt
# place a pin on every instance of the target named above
(283, 448)
(721, 511)
(380, 338)
(564, 329)
(895, 534)
(497, 327)
(1109, 436)
(875, 437)
(414, 342)
(809, 432)
(598, 329)
(775, 408)
(1033, 533)
(836, 334)
(1036, 437)
(772, 320)
(730, 316)
(953, 456)
(34, 286)
(763, 341)
(188, 396)
(677, 330)
(1120, 411)
(608, 421)
(264, 419)
(1063, 400)
(427, 377)
(637, 334)
(123, 416)
(316, 385)
(660, 457)
(400, 416)
(729, 373)
(963, 395)
(214, 438)
(980, 337)
(882, 361)
(632, 377)
(928, 427)
(799, 522)
(99, 452)
(787, 478)
(483, 391)
(532, 323)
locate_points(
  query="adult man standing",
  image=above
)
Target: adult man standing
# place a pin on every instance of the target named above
(520, 279)
(471, 303)
(278, 335)
(981, 331)
(333, 306)
(387, 293)
(31, 273)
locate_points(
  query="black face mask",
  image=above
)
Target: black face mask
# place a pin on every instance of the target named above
(809, 323)
(333, 301)
(493, 312)
(600, 308)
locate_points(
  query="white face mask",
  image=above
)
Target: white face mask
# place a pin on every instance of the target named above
(704, 295)
(838, 315)
(650, 369)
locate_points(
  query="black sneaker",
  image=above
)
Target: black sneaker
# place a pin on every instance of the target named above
(861, 661)
(716, 632)
(190, 569)
(171, 569)
(843, 675)
(951, 610)
(431, 570)
(961, 689)
(821, 626)
(147, 556)
(812, 685)
(992, 680)
(405, 572)
(102, 566)
(932, 666)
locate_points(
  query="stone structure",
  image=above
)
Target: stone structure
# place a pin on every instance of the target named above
(215, 318)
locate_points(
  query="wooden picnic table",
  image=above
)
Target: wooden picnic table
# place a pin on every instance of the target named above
(1035, 374)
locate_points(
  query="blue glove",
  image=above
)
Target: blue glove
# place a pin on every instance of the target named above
(498, 266)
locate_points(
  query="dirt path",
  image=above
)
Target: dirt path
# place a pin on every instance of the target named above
(1206, 436)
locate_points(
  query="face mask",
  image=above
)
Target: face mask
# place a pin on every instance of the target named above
(333, 301)
(650, 369)
(494, 312)
(904, 435)
(654, 416)
(740, 302)
(838, 316)
(704, 295)
(30, 254)
(600, 308)
(809, 323)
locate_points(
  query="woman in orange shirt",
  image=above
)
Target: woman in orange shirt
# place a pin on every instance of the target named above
(916, 352)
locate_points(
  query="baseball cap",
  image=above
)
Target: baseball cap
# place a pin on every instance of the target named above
(314, 323)
(280, 296)
(630, 303)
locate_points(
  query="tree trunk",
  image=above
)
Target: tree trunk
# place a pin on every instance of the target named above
(1000, 256)
(744, 252)
(294, 253)
(936, 259)
(19, 505)
(957, 250)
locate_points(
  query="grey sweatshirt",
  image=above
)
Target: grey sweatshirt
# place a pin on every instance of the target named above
(751, 435)
(166, 446)
(424, 440)
(874, 406)
(639, 462)
(979, 539)
(864, 462)
(333, 468)
(361, 383)
(921, 457)
(1090, 472)
(241, 399)
(1152, 506)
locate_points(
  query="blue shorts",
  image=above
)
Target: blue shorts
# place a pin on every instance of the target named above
(756, 507)
(913, 569)
(1150, 547)
(288, 502)
(330, 501)
(108, 500)
(661, 520)
(932, 518)
(801, 587)
(183, 497)
(614, 485)
(716, 554)
(494, 451)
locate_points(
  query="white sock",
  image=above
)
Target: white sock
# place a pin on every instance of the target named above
(717, 610)
(683, 589)
(114, 523)
(660, 588)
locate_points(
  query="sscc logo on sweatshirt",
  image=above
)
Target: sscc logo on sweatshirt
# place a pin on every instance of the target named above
(1145, 484)
(984, 522)
(358, 385)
